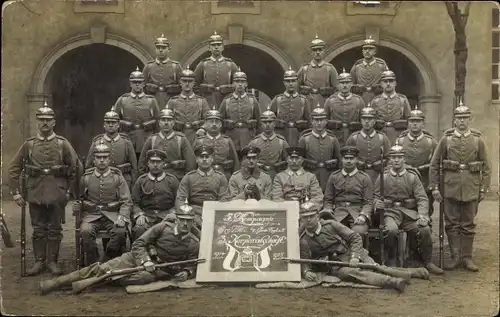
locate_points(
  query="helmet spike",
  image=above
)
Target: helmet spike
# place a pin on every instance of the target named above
(137, 68)
(45, 103)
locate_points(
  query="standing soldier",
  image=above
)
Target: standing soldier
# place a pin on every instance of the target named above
(106, 205)
(162, 74)
(180, 156)
(225, 157)
(272, 158)
(367, 71)
(213, 75)
(122, 151)
(322, 148)
(292, 110)
(467, 176)
(370, 143)
(295, 183)
(419, 146)
(189, 109)
(49, 163)
(392, 108)
(343, 110)
(153, 194)
(240, 113)
(138, 112)
(317, 79)
(349, 194)
(405, 206)
(250, 181)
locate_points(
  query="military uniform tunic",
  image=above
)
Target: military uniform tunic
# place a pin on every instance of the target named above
(189, 114)
(272, 157)
(162, 78)
(342, 113)
(241, 178)
(122, 155)
(368, 75)
(139, 115)
(370, 146)
(392, 111)
(292, 114)
(321, 78)
(322, 154)
(289, 184)
(180, 155)
(225, 156)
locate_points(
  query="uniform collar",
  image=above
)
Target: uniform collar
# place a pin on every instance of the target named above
(458, 134)
(349, 96)
(105, 174)
(370, 63)
(352, 173)
(364, 135)
(210, 171)
(247, 175)
(316, 134)
(235, 96)
(142, 94)
(49, 138)
(166, 60)
(401, 173)
(191, 96)
(158, 179)
(168, 137)
(386, 96)
(265, 138)
(418, 138)
(316, 232)
(295, 94)
(217, 60)
(109, 139)
(214, 137)
(299, 172)
(313, 64)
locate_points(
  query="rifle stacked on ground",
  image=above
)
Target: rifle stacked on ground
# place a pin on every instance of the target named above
(441, 215)
(381, 212)
(24, 193)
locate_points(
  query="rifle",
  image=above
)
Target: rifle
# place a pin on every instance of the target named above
(78, 215)
(381, 212)
(6, 237)
(24, 194)
(441, 215)
(79, 286)
(334, 263)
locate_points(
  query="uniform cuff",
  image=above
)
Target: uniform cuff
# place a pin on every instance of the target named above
(144, 260)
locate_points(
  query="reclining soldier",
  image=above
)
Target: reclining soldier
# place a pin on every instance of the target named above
(164, 242)
(153, 194)
(106, 204)
(330, 240)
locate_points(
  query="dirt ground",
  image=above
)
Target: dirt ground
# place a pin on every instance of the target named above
(458, 293)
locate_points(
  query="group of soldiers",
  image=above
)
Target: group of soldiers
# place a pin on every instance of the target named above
(344, 145)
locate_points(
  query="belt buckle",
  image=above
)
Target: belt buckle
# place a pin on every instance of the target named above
(46, 171)
(137, 126)
(161, 88)
(314, 90)
(345, 125)
(397, 204)
(216, 167)
(217, 88)
(462, 166)
(239, 124)
(388, 124)
(291, 124)
(347, 204)
(267, 167)
(99, 207)
(187, 125)
(368, 88)
(369, 165)
(321, 164)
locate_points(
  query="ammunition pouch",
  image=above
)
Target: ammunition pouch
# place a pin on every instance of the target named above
(179, 125)
(206, 88)
(369, 166)
(151, 89)
(424, 167)
(280, 124)
(377, 89)
(178, 165)
(126, 126)
(475, 167)
(252, 123)
(125, 168)
(149, 125)
(409, 203)
(400, 124)
(110, 207)
(335, 125)
(228, 124)
(56, 171)
(326, 91)
(305, 90)
(355, 126)
(195, 125)
(173, 89)
(358, 89)
(223, 166)
(310, 164)
(266, 168)
(380, 124)
(225, 89)
(331, 164)
(280, 166)
(301, 124)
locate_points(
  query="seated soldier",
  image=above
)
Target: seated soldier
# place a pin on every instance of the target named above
(164, 242)
(153, 194)
(405, 206)
(349, 194)
(250, 181)
(203, 184)
(106, 205)
(295, 183)
(332, 241)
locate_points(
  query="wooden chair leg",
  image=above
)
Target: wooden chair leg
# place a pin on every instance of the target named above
(402, 248)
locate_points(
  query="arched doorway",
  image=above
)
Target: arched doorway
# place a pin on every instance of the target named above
(405, 70)
(84, 83)
(264, 73)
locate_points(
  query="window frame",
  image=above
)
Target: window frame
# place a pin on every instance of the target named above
(495, 82)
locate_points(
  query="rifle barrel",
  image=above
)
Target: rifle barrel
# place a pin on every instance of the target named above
(334, 263)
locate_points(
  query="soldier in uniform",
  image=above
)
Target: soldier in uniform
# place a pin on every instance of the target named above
(240, 113)
(295, 183)
(292, 110)
(317, 79)
(213, 75)
(203, 184)
(405, 206)
(370, 143)
(122, 150)
(272, 157)
(48, 163)
(322, 148)
(367, 71)
(226, 159)
(392, 108)
(164, 242)
(180, 156)
(467, 176)
(106, 205)
(162, 74)
(138, 112)
(349, 194)
(331, 240)
(343, 110)
(250, 181)
(189, 108)
(153, 194)
(419, 146)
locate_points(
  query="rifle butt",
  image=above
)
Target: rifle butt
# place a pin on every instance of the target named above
(23, 241)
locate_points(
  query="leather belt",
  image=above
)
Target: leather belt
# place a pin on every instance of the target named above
(187, 125)
(161, 88)
(46, 171)
(240, 124)
(267, 167)
(463, 167)
(291, 124)
(388, 124)
(321, 165)
(397, 204)
(368, 88)
(345, 125)
(314, 90)
(217, 167)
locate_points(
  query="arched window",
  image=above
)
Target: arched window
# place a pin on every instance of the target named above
(495, 55)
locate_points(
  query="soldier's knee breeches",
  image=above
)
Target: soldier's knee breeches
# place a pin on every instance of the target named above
(117, 239)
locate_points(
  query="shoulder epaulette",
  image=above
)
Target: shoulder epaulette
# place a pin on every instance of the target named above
(228, 59)
(427, 134)
(215, 171)
(359, 61)
(31, 138)
(205, 59)
(191, 172)
(175, 62)
(125, 95)
(151, 61)
(170, 175)
(364, 173)
(475, 132)
(236, 172)
(449, 131)
(379, 60)
(403, 134)
(99, 136)
(302, 96)
(124, 135)
(64, 139)
(89, 170)
(413, 171)
(115, 170)
(179, 133)
(148, 96)
(280, 136)
(326, 221)
(336, 172)
(175, 97)
(142, 176)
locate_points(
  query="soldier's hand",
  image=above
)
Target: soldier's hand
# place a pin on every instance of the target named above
(200, 132)
(354, 262)
(379, 204)
(120, 221)
(310, 276)
(361, 220)
(181, 276)
(141, 220)
(149, 266)
(422, 222)
(437, 195)
(19, 200)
